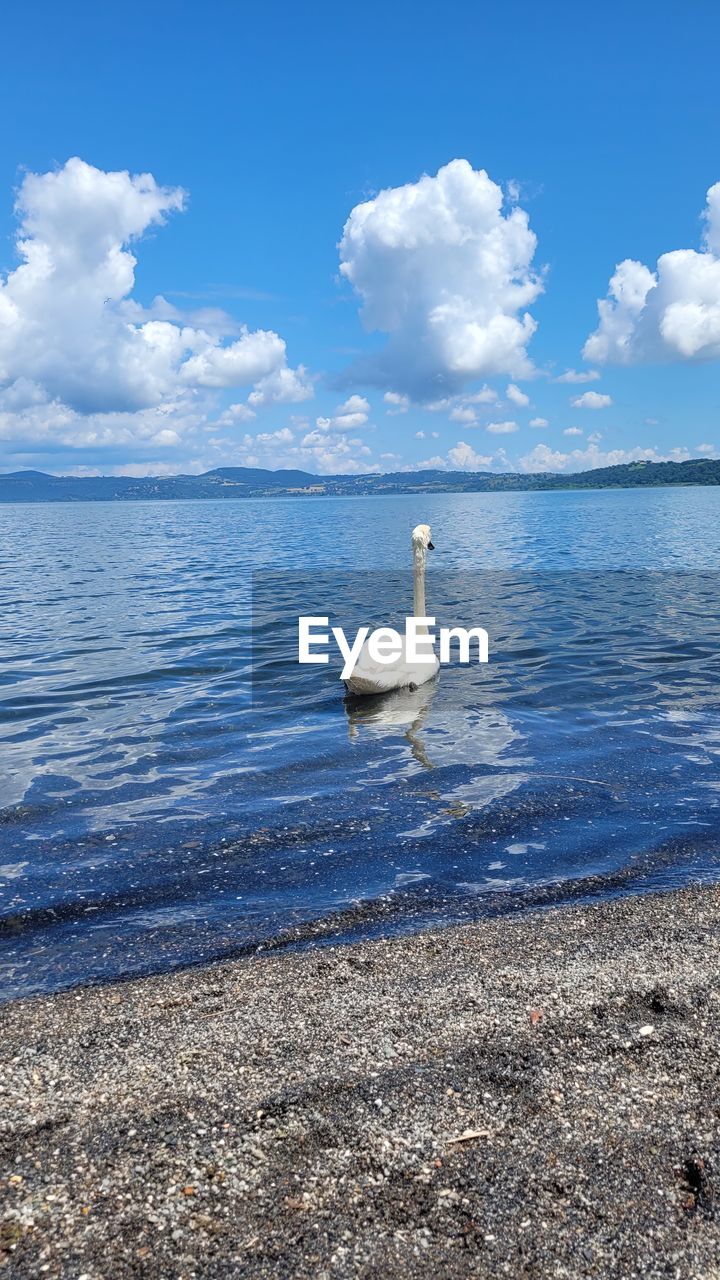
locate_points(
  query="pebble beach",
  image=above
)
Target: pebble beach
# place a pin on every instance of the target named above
(527, 1096)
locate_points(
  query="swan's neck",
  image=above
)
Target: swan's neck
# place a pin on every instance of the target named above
(419, 558)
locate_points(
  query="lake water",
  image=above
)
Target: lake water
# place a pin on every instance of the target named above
(173, 787)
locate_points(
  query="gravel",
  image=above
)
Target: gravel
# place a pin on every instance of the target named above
(533, 1096)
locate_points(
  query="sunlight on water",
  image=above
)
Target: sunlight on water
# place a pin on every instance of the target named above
(165, 798)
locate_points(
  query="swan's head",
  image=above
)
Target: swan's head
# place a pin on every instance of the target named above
(421, 538)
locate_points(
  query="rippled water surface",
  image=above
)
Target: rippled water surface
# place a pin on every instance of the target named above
(174, 787)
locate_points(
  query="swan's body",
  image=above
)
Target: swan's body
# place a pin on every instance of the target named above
(372, 677)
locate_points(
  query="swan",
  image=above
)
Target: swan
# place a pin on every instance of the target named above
(372, 677)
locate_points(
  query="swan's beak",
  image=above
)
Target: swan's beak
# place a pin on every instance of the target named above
(431, 546)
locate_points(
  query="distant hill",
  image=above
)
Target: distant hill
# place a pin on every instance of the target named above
(253, 482)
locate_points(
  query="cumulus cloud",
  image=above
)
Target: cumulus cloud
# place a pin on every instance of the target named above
(485, 395)
(282, 385)
(539, 422)
(348, 416)
(37, 428)
(426, 464)
(72, 337)
(309, 450)
(517, 396)
(464, 457)
(582, 375)
(463, 413)
(333, 455)
(137, 470)
(671, 313)
(397, 402)
(572, 431)
(591, 400)
(235, 413)
(282, 436)
(355, 404)
(543, 458)
(708, 450)
(501, 428)
(445, 269)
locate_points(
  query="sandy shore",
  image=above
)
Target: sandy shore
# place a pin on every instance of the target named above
(535, 1096)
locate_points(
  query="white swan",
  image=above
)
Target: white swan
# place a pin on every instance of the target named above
(369, 676)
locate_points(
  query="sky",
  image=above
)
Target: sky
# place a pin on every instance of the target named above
(352, 239)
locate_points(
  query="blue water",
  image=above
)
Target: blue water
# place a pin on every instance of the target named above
(173, 787)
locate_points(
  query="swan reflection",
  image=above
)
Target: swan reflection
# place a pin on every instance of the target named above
(439, 729)
(407, 708)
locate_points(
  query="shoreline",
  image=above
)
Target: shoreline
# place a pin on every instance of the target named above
(531, 1095)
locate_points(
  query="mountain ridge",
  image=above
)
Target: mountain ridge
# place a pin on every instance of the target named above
(257, 482)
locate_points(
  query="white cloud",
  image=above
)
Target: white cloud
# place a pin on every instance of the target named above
(517, 396)
(454, 405)
(316, 451)
(542, 458)
(503, 462)
(255, 359)
(708, 449)
(463, 413)
(271, 449)
(582, 375)
(355, 404)
(501, 428)
(44, 426)
(572, 431)
(283, 436)
(711, 218)
(137, 470)
(333, 455)
(595, 438)
(427, 464)
(591, 400)
(251, 359)
(539, 422)
(486, 395)
(349, 416)
(398, 403)
(419, 435)
(73, 340)
(448, 276)
(166, 436)
(235, 413)
(282, 386)
(464, 457)
(671, 313)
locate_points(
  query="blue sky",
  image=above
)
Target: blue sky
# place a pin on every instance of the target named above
(236, 339)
